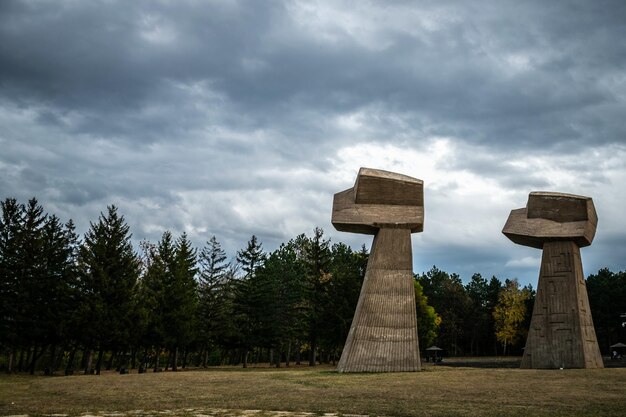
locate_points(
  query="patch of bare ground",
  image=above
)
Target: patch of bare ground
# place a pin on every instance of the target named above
(436, 391)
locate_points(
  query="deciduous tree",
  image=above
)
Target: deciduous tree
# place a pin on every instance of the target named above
(509, 313)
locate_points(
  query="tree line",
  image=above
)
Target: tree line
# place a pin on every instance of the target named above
(74, 304)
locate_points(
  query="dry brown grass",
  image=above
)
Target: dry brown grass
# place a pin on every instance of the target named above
(437, 391)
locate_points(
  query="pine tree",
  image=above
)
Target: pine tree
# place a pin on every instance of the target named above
(316, 256)
(212, 305)
(478, 315)
(71, 298)
(447, 295)
(347, 271)
(291, 287)
(251, 258)
(31, 276)
(493, 292)
(38, 269)
(181, 299)
(246, 295)
(607, 298)
(57, 291)
(109, 270)
(152, 290)
(10, 224)
(169, 286)
(278, 292)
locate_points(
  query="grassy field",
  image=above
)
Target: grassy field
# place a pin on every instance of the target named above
(436, 391)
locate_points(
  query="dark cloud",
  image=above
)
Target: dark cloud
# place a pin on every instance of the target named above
(233, 118)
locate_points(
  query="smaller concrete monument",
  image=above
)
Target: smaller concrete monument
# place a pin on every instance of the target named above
(383, 335)
(561, 333)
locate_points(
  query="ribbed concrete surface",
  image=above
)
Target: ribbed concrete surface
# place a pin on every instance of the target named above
(561, 333)
(383, 335)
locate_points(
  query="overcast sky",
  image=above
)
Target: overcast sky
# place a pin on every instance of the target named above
(233, 118)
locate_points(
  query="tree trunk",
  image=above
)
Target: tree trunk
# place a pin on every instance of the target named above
(205, 357)
(20, 363)
(50, 368)
(185, 355)
(89, 361)
(133, 358)
(174, 355)
(29, 358)
(287, 357)
(69, 367)
(10, 361)
(33, 362)
(111, 359)
(157, 358)
(99, 363)
(245, 359)
(312, 357)
(58, 359)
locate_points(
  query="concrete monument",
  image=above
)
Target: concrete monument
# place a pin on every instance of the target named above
(383, 335)
(561, 333)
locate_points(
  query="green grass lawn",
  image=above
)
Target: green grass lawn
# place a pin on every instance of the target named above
(436, 391)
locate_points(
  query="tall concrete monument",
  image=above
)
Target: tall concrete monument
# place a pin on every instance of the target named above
(561, 333)
(383, 335)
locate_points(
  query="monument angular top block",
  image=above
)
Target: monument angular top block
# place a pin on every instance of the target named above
(380, 199)
(550, 217)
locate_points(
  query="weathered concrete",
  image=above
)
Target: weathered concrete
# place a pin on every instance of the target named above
(561, 333)
(383, 334)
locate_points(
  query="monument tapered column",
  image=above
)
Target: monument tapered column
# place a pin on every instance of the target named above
(383, 335)
(561, 333)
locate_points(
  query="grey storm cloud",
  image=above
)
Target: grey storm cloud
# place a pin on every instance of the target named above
(241, 117)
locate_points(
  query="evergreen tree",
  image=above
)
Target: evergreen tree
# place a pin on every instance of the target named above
(266, 311)
(347, 271)
(58, 291)
(281, 289)
(316, 256)
(152, 290)
(181, 298)
(478, 315)
(212, 304)
(246, 295)
(109, 269)
(447, 295)
(10, 225)
(38, 270)
(607, 299)
(251, 258)
(228, 335)
(31, 277)
(493, 292)
(213, 265)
